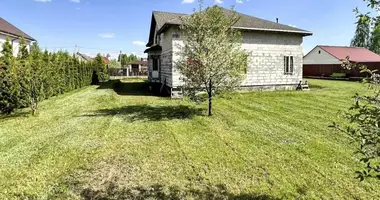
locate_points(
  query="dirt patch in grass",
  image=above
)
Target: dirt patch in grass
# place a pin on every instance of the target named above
(113, 179)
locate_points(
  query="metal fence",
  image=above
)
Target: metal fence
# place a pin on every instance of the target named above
(127, 72)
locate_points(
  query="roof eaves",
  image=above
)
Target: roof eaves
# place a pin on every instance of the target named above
(305, 33)
(17, 36)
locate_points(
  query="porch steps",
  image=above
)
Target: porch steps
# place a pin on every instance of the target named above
(177, 94)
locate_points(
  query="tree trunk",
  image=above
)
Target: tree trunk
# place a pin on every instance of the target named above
(210, 99)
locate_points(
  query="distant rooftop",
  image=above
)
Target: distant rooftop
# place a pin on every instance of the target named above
(356, 54)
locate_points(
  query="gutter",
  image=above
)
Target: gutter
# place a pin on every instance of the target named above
(17, 37)
(304, 33)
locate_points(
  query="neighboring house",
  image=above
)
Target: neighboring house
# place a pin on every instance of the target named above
(106, 60)
(15, 34)
(275, 51)
(138, 66)
(327, 60)
(83, 57)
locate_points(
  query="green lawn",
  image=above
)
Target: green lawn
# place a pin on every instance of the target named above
(119, 143)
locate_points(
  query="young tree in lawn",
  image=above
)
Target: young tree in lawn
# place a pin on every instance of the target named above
(211, 58)
(362, 33)
(9, 90)
(100, 67)
(35, 78)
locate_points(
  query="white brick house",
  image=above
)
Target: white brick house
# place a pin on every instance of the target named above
(276, 52)
(15, 34)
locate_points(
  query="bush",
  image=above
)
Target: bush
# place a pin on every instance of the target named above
(27, 79)
(338, 75)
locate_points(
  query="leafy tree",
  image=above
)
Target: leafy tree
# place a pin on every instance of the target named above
(124, 59)
(375, 37)
(364, 115)
(114, 64)
(362, 33)
(9, 91)
(211, 58)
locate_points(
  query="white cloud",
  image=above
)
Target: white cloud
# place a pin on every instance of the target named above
(75, 1)
(241, 1)
(77, 8)
(106, 35)
(43, 1)
(188, 1)
(138, 43)
(218, 1)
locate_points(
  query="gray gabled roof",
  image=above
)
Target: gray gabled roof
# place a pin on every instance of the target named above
(245, 22)
(8, 28)
(164, 17)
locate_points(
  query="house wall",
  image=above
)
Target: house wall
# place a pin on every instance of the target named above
(318, 56)
(167, 57)
(266, 59)
(16, 44)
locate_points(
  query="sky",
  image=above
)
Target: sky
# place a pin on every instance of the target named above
(111, 26)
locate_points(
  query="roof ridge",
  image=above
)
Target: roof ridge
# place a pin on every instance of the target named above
(155, 11)
(341, 46)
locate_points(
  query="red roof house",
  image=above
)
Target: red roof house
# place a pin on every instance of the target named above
(106, 60)
(327, 60)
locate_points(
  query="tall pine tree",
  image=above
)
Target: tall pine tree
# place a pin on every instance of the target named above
(362, 33)
(8, 85)
(24, 72)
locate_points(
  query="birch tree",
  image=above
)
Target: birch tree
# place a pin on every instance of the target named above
(211, 59)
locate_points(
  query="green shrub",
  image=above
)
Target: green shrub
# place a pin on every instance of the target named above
(338, 75)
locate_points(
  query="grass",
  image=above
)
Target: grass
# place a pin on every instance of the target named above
(114, 143)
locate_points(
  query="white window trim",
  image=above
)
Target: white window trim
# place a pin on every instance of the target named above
(288, 65)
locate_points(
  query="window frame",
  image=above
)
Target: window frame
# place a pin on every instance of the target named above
(288, 65)
(157, 66)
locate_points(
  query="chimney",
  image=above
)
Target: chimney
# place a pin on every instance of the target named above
(277, 20)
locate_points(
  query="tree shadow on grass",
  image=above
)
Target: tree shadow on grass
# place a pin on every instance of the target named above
(113, 191)
(127, 88)
(147, 112)
(17, 114)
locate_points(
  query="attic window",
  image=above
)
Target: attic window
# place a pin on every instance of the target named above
(319, 52)
(175, 35)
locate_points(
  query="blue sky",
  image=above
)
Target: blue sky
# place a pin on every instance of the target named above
(108, 26)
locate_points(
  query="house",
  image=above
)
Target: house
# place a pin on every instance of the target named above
(276, 52)
(324, 61)
(15, 34)
(138, 67)
(106, 60)
(83, 57)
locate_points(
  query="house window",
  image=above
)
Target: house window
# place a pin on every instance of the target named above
(158, 39)
(319, 52)
(155, 64)
(288, 65)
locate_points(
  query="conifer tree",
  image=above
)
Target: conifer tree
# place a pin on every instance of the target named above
(8, 87)
(24, 72)
(36, 78)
